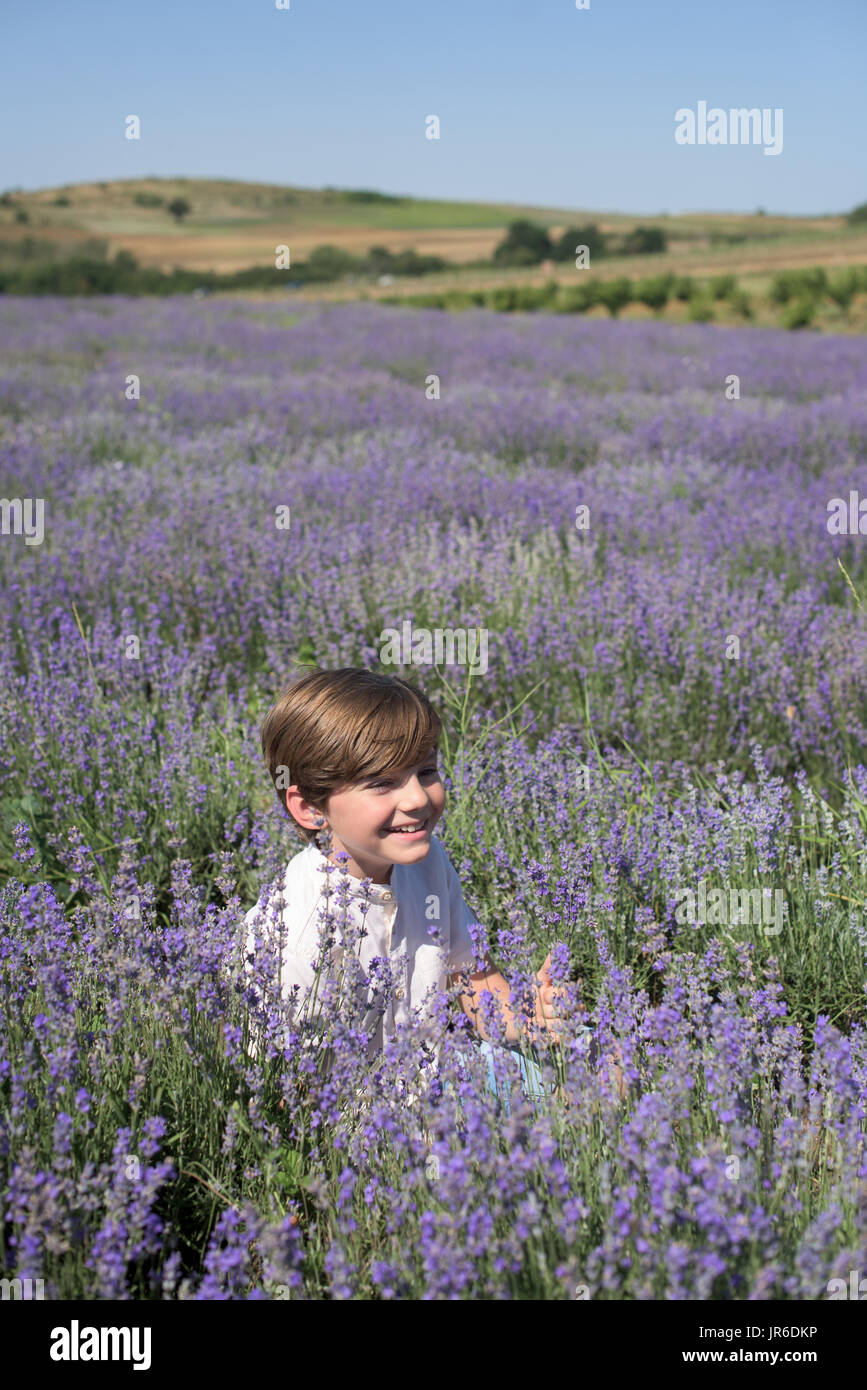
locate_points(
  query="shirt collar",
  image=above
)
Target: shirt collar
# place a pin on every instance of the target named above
(380, 893)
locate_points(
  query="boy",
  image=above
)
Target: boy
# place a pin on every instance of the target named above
(353, 758)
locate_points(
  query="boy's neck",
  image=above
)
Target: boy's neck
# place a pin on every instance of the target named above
(376, 875)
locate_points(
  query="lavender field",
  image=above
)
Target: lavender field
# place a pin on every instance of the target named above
(673, 720)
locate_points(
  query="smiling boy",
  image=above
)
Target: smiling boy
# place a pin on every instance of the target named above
(352, 755)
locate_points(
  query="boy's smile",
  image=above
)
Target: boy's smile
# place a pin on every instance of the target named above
(386, 819)
(411, 831)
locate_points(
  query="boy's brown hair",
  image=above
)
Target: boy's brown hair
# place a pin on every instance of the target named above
(332, 728)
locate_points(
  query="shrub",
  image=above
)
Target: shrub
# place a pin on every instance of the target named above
(526, 243)
(643, 241)
(61, 201)
(814, 280)
(380, 261)
(741, 303)
(700, 310)
(464, 299)
(410, 263)
(782, 288)
(843, 288)
(614, 294)
(576, 299)
(21, 215)
(148, 200)
(179, 208)
(858, 215)
(502, 299)
(125, 262)
(684, 287)
(257, 277)
(74, 276)
(328, 262)
(528, 298)
(654, 292)
(590, 236)
(798, 284)
(723, 286)
(799, 313)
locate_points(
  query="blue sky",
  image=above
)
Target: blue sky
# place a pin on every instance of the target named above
(538, 102)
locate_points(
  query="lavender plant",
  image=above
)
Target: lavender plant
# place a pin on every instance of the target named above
(168, 1128)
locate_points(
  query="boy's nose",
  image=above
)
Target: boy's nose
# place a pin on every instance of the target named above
(413, 796)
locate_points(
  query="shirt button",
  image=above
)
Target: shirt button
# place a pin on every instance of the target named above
(386, 897)
(398, 994)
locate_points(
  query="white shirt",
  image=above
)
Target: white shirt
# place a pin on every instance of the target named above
(401, 915)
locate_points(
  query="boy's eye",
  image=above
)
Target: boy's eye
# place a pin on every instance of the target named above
(432, 771)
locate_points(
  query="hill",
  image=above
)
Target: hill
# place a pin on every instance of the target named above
(233, 224)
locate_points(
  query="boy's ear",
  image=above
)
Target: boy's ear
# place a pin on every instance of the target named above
(309, 812)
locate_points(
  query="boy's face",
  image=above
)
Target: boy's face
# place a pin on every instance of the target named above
(365, 819)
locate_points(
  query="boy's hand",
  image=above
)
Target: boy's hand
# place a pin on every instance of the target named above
(547, 1001)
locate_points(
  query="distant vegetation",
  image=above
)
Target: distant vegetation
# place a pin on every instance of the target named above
(769, 269)
(528, 243)
(179, 208)
(31, 266)
(525, 243)
(590, 236)
(643, 241)
(367, 195)
(800, 294)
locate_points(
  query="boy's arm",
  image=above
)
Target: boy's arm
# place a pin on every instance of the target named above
(464, 931)
(491, 980)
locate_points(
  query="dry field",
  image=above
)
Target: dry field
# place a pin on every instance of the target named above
(755, 264)
(234, 224)
(227, 251)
